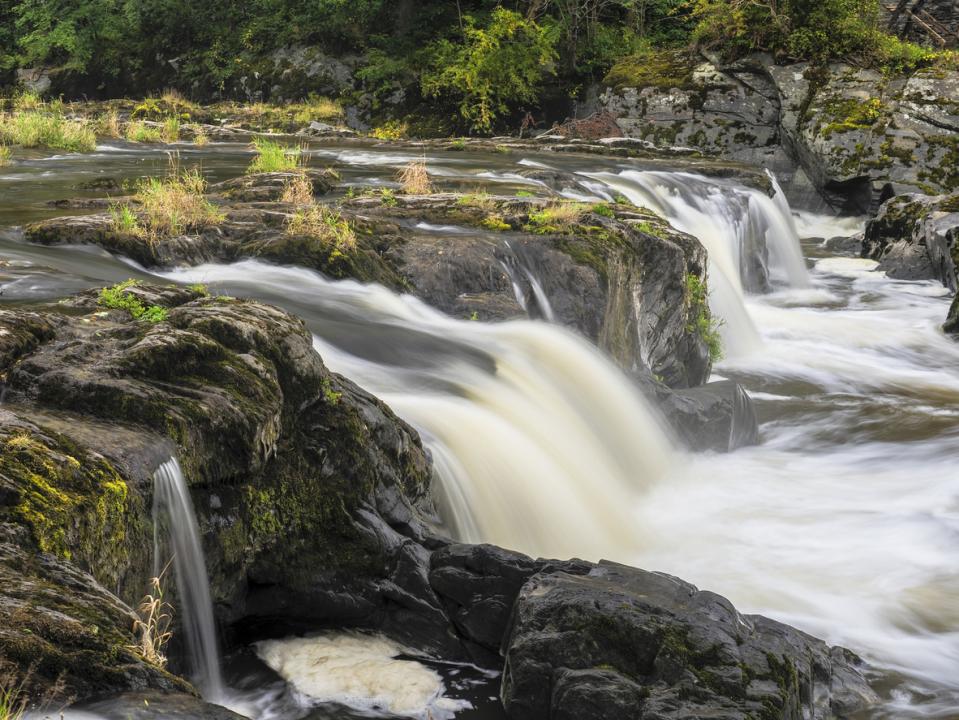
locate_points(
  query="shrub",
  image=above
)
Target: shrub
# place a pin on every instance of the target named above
(415, 179)
(273, 157)
(493, 69)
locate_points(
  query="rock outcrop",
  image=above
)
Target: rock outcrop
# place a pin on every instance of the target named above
(858, 136)
(916, 237)
(584, 640)
(310, 492)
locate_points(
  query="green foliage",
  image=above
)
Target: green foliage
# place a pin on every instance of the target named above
(273, 157)
(493, 68)
(701, 320)
(124, 219)
(604, 210)
(140, 132)
(117, 298)
(650, 67)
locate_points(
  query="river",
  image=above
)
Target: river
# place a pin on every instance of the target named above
(843, 521)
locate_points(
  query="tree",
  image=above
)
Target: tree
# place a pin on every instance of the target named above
(492, 68)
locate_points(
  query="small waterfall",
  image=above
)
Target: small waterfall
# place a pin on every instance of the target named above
(173, 510)
(514, 264)
(541, 444)
(750, 237)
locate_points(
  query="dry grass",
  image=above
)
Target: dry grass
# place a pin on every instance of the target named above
(168, 206)
(108, 125)
(324, 224)
(298, 190)
(15, 688)
(415, 179)
(153, 625)
(200, 138)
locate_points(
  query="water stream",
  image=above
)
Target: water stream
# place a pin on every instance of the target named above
(844, 521)
(177, 538)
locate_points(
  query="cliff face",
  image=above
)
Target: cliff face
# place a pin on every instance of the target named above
(858, 136)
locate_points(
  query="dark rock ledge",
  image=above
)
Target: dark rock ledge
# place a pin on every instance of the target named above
(314, 501)
(620, 277)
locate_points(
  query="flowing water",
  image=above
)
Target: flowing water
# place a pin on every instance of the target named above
(177, 541)
(844, 521)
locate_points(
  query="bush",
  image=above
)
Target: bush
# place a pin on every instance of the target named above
(493, 69)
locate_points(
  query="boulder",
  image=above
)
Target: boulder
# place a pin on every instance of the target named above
(626, 643)
(717, 416)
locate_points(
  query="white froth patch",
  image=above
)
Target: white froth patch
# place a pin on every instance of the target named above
(846, 265)
(361, 671)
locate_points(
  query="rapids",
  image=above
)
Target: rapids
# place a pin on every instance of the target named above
(844, 521)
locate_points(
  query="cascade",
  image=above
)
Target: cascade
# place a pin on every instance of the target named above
(173, 513)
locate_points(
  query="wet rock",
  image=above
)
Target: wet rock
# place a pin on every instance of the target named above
(622, 642)
(269, 187)
(158, 706)
(311, 495)
(718, 416)
(916, 237)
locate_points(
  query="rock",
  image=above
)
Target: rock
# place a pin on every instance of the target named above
(269, 187)
(859, 135)
(626, 643)
(158, 706)
(916, 237)
(718, 416)
(310, 493)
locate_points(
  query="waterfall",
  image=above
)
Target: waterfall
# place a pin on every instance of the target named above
(540, 443)
(173, 509)
(750, 237)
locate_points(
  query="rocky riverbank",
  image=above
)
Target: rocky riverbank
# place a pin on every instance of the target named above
(315, 506)
(856, 136)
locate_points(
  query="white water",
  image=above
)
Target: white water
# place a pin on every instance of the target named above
(734, 224)
(361, 671)
(173, 512)
(543, 445)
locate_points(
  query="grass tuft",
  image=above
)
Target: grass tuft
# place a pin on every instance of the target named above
(274, 157)
(298, 190)
(324, 224)
(171, 129)
(557, 217)
(4, 160)
(108, 125)
(139, 132)
(153, 624)
(47, 127)
(415, 179)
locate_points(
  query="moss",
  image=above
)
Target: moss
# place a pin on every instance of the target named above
(663, 69)
(75, 505)
(849, 114)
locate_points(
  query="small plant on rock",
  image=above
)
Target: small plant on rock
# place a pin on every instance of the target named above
(557, 217)
(325, 224)
(415, 179)
(139, 132)
(117, 298)
(701, 320)
(153, 624)
(274, 157)
(171, 129)
(298, 190)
